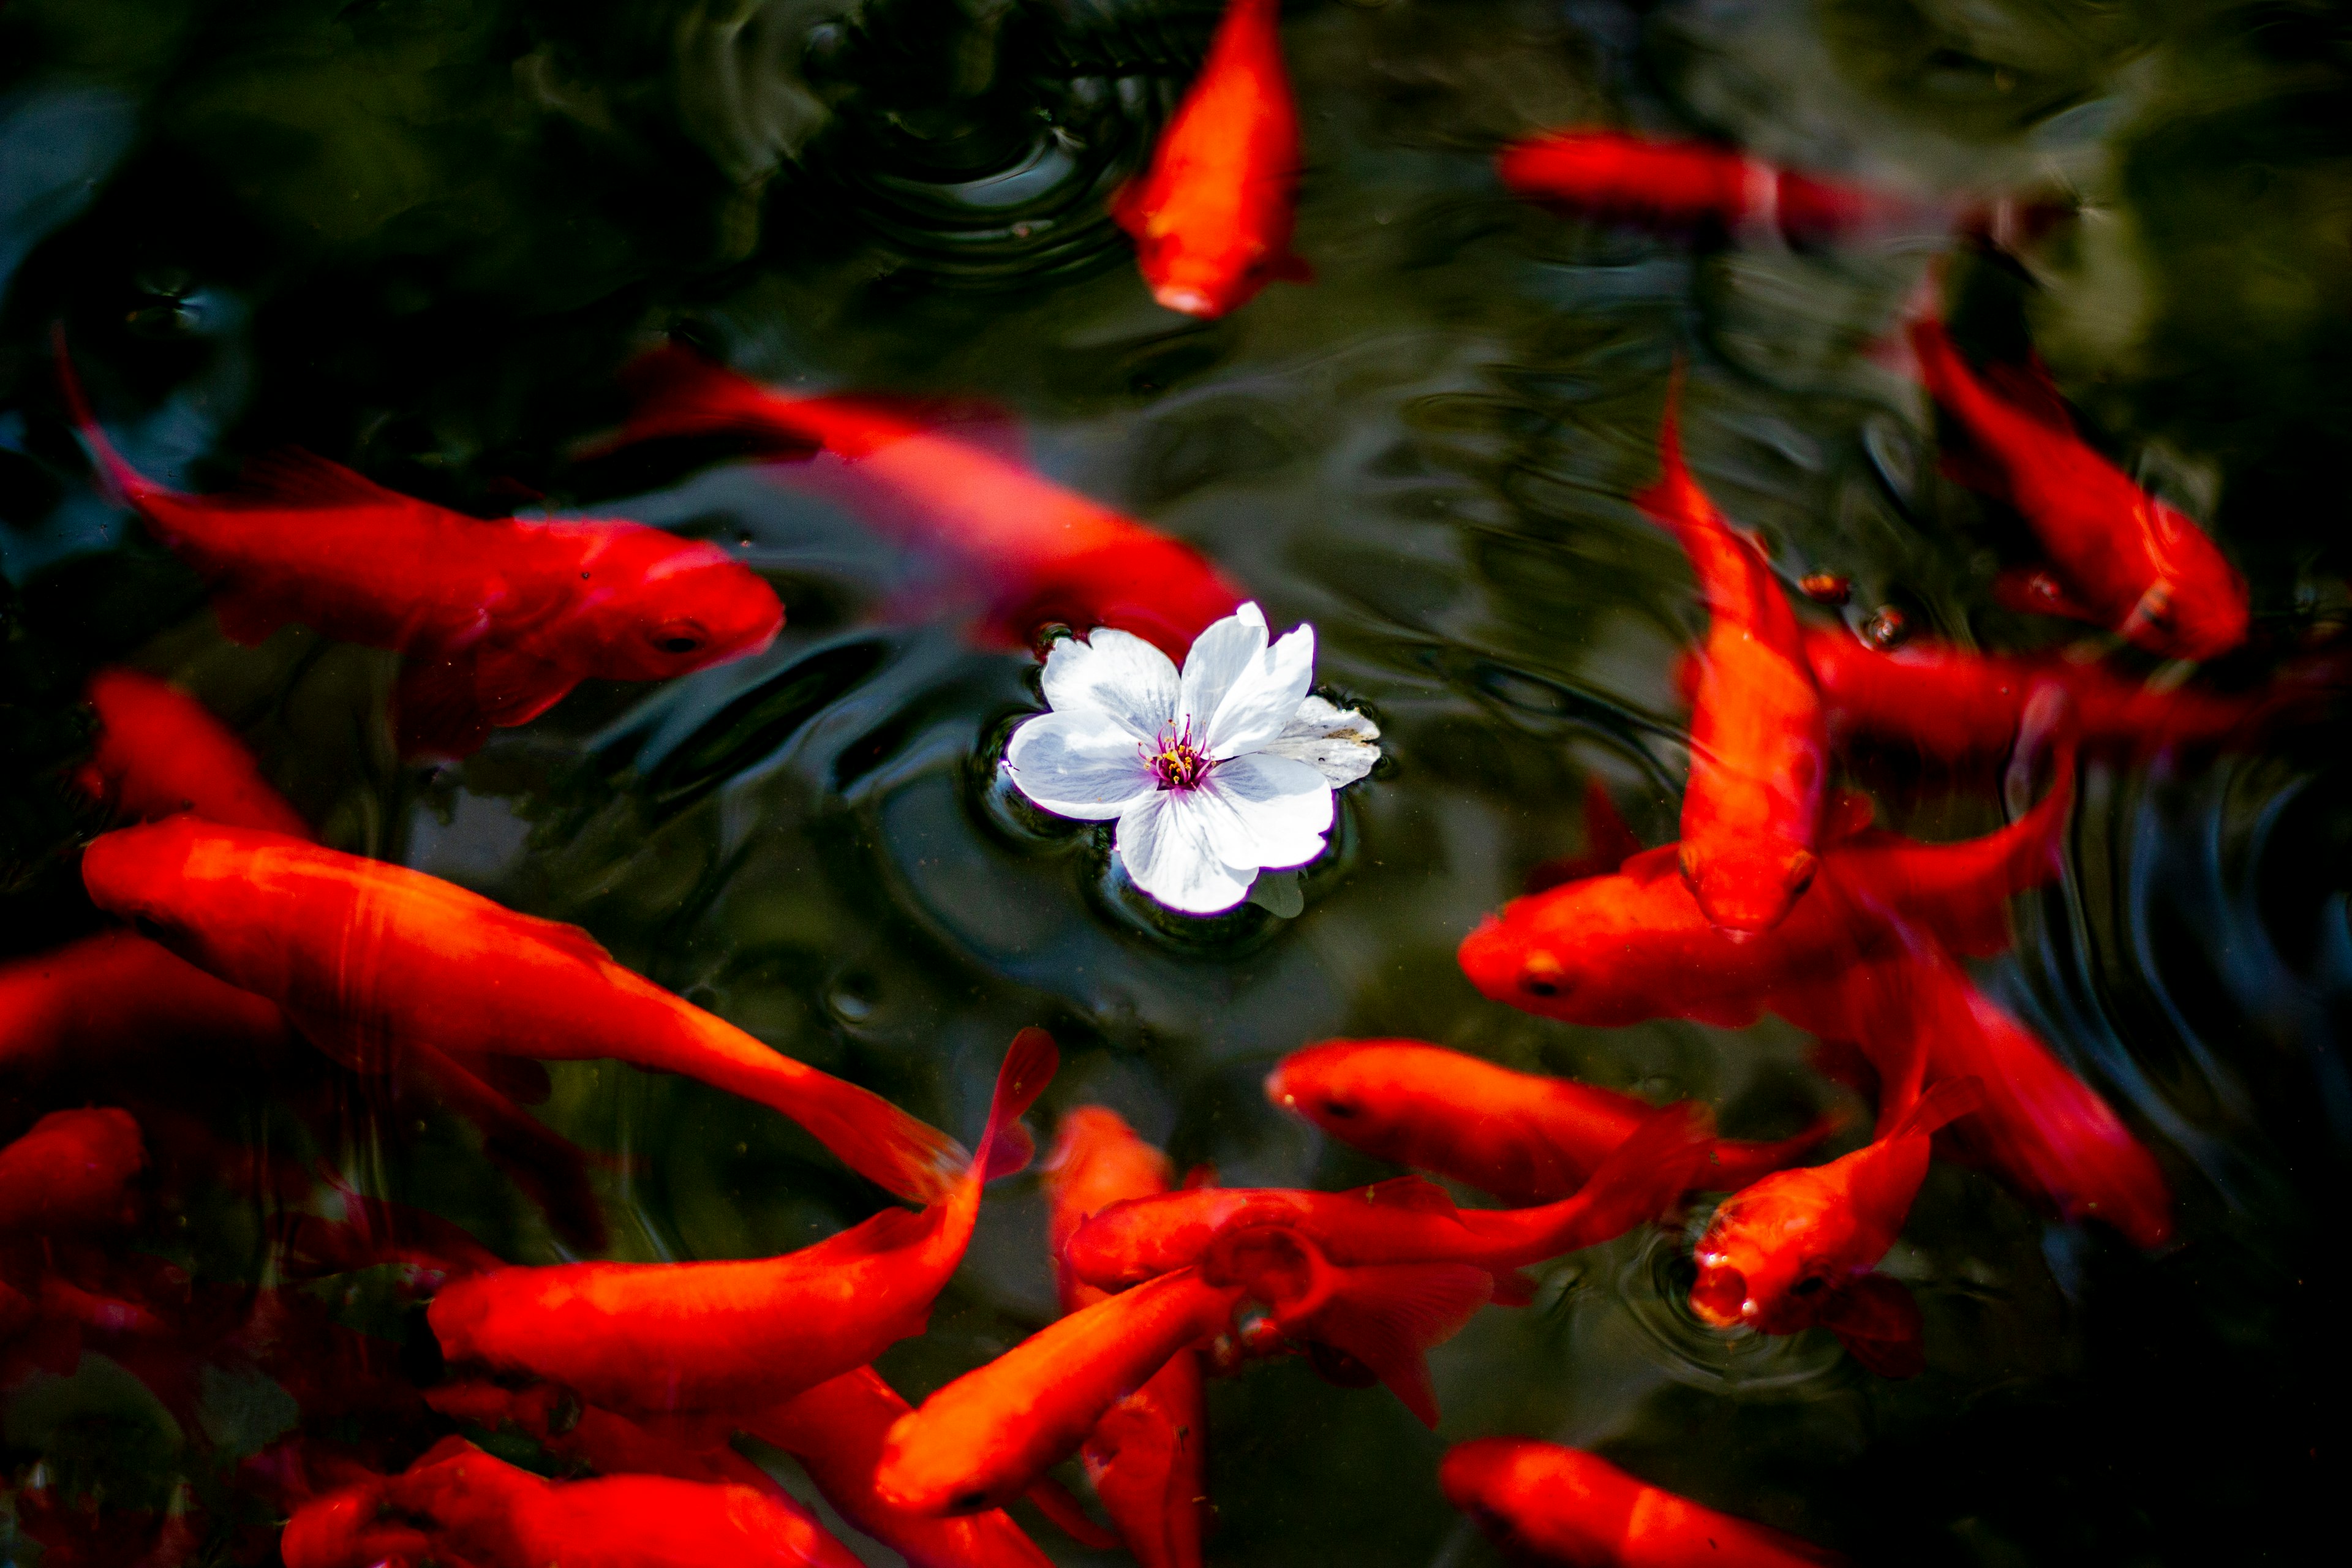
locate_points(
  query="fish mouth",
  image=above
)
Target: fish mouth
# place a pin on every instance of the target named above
(1185, 299)
(1720, 1297)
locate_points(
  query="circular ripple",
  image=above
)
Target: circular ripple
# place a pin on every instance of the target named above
(1654, 1285)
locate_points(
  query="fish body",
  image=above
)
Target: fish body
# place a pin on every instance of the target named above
(1405, 1220)
(1625, 947)
(1037, 552)
(102, 996)
(835, 1430)
(159, 752)
(1523, 1138)
(1760, 741)
(1552, 1504)
(685, 1337)
(1617, 175)
(1146, 1456)
(72, 1172)
(367, 958)
(2119, 558)
(460, 1503)
(1774, 1249)
(501, 619)
(1211, 215)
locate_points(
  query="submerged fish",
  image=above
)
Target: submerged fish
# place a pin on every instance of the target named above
(111, 996)
(1405, 1220)
(368, 960)
(1618, 174)
(72, 1172)
(500, 619)
(1211, 215)
(2118, 557)
(1775, 1255)
(1146, 1457)
(1551, 1505)
(1034, 552)
(1759, 744)
(742, 1335)
(159, 752)
(1523, 1138)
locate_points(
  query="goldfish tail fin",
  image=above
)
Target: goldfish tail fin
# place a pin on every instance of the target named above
(1645, 1175)
(1388, 1316)
(1944, 1103)
(1059, 1505)
(1005, 1146)
(675, 393)
(1878, 1322)
(122, 484)
(1668, 502)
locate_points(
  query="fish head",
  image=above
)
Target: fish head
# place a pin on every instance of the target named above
(1096, 1161)
(688, 609)
(1772, 1255)
(1350, 1088)
(1543, 954)
(1747, 888)
(2196, 610)
(144, 874)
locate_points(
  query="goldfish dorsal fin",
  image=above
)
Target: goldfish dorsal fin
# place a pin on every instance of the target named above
(1945, 1103)
(1415, 1194)
(1004, 1145)
(290, 477)
(891, 1230)
(1609, 839)
(1388, 1316)
(1650, 865)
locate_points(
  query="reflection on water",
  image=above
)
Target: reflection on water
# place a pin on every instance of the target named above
(421, 241)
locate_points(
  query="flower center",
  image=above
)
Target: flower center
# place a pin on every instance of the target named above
(1178, 763)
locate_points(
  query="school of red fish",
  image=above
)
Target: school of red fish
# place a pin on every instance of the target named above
(250, 944)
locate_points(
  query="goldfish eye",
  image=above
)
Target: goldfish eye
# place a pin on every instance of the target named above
(967, 1503)
(1339, 1107)
(1809, 1285)
(678, 637)
(1542, 975)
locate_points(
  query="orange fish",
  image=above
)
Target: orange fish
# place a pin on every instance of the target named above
(1037, 554)
(160, 752)
(459, 1505)
(835, 1430)
(94, 1000)
(369, 959)
(1777, 1252)
(2119, 558)
(1146, 1456)
(659, 1337)
(1760, 743)
(1404, 1220)
(1616, 175)
(72, 1172)
(1526, 1139)
(1211, 215)
(1554, 1505)
(984, 1438)
(500, 619)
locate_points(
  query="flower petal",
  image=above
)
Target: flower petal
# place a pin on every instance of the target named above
(1264, 699)
(1113, 673)
(1260, 810)
(1080, 763)
(1336, 741)
(1165, 849)
(1220, 656)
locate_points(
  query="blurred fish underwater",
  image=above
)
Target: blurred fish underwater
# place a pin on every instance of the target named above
(531, 1001)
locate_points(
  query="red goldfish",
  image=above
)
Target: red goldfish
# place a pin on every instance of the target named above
(1682, 184)
(1405, 1220)
(1556, 1505)
(1145, 1457)
(1037, 553)
(1759, 744)
(1527, 1139)
(458, 1504)
(661, 1337)
(2118, 557)
(1775, 1255)
(160, 752)
(72, 1172)
(835, 1430)
(90, 1000)
(369, 959)
(981, 1439)
(1211, 215)
(500, 619)
(584, 1437)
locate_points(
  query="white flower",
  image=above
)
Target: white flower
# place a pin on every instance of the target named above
(1211, 775)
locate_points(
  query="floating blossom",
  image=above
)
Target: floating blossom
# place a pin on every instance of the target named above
(1213, 775)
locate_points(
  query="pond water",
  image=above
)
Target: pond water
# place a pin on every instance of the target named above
(419, 238)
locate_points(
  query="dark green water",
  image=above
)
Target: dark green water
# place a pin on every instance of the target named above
(418, 238)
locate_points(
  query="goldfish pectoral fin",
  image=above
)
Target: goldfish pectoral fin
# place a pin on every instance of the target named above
(434, 710)
(1648, 1174)
(1009, 1152)
(1609, 839)
(1069, 1516)
(511, 687)
(247, 618)
(1878, 1321)
(1387, 1316)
